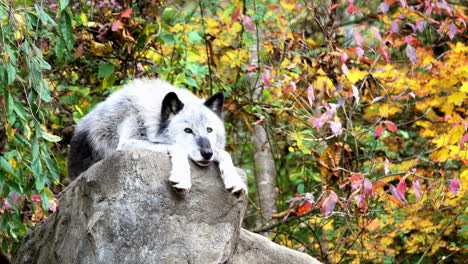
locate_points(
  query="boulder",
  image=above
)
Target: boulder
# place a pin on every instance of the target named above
(124, 210)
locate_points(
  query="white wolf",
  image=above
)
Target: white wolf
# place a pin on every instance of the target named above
(154, 115)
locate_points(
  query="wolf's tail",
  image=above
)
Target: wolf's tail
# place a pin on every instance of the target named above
(80, 156)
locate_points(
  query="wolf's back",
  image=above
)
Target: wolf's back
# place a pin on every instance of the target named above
(96, 136)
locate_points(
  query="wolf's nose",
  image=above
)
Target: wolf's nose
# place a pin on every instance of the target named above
(206, 153)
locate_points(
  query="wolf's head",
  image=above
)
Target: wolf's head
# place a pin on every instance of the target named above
(196, 126)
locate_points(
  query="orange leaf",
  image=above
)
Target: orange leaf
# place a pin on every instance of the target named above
(395, 200)
(304, 208)
(126, 13)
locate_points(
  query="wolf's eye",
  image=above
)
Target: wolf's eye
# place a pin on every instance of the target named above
(188, 130)
(209, 129)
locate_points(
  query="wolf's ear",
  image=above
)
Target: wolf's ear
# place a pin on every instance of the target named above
(215, 103)
(171, 105)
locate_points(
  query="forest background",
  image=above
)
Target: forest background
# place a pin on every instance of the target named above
(349, 117)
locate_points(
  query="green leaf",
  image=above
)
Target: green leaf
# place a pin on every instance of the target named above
(45, 201)
(108, 81)
(11, 73)
(6, 166)
(43, 91)
(49, 137)
(45, 18)
(194, 37)
(190, 81)
(66, 28)
(168, 13)
(105, 69)
(63, 4)
(300, 188)
(49, 193)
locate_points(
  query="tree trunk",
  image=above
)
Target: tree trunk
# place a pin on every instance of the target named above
(265, 170)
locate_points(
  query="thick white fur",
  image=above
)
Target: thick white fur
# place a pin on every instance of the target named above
(119, 122)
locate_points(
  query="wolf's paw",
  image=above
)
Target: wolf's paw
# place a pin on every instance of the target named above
(234, 184)
(181, 187)
(180, 180)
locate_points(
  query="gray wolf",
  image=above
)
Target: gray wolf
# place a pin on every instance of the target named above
(154, 115)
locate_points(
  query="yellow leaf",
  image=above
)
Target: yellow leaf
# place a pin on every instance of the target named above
(13, 163)
(27, 131)
(464, 87)
(441, 141)
(9, 131)
(440, 155)
(83, 18)
(355, 75)
(457, 98)
(99, 48)
(288, 5)
(388, 109)
(18, 34)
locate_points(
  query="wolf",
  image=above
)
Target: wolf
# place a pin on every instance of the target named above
(155, 115)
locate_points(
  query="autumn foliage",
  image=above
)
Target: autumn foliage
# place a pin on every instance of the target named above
(365, 104)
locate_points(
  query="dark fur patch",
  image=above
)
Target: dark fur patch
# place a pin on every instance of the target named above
(215, 103)
(171, 105)
(80, 156)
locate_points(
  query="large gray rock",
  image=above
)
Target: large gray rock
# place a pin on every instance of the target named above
(256, 249)
(124, 210)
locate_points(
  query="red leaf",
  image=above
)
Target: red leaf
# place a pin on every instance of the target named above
(384, 7)
(266, 79)
(54, 204)
(335, 126)
(416, 186)
(411, 53)
(304, 208)
(332, 7)
(455, 186)
(36, 198)
(396, 194)
(404, 4)
(273, 7)
(251, 67)
(328, 204)
(235, 15)
(310, 94)
(126, 13)
(358, 38)
(391, 126)
(464, 139)
(401, 188)
(344, 68)
(79, 51)
(378, 130)
(116, 25)
(394, 27)
(376, 33)
(384, 52)
(344, 57)
(359, 52)
(367, 186)
(452, 31)
(289, 89)
(248, 24)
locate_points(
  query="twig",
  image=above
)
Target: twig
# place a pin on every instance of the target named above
(439, 234)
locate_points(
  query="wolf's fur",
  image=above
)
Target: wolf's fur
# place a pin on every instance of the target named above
(154, 115)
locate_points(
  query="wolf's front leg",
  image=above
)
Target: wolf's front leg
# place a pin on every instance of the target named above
(180, 169)
(180, 172)
(232, 180)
